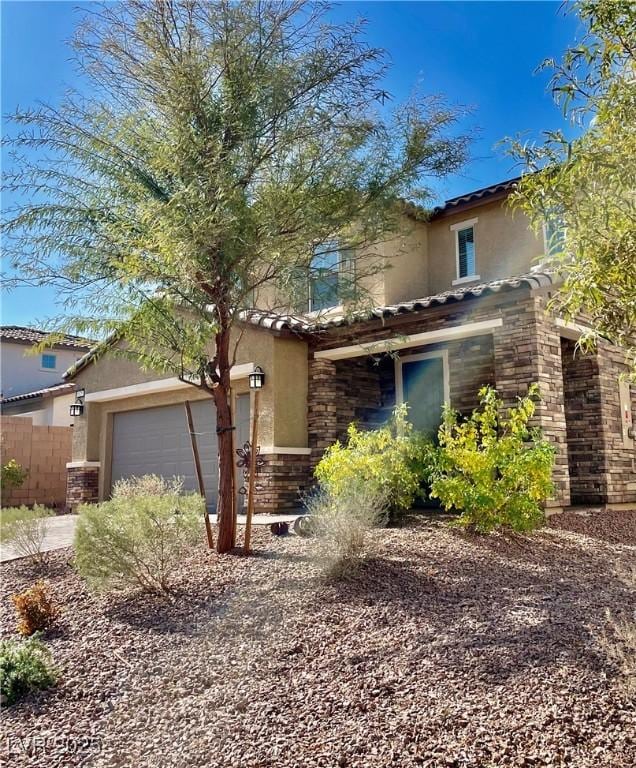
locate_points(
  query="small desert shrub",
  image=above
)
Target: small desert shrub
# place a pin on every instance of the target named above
(12, 475)
(36, 609)
(24, 666)
(139, 537)
(342, 520)
(394, 461)
(493, 468)
(24, 528)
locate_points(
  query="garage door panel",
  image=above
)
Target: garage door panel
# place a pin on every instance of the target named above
(156, 441)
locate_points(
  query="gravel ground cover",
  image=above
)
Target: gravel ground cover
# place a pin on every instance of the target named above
(442, 650)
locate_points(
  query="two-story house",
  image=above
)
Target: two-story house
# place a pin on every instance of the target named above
(31, 382)
(462, 303)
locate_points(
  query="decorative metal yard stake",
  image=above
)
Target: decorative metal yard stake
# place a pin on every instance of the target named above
(197, 471)
(252, 480)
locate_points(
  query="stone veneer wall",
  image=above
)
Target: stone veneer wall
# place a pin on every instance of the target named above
(82, 486)
(281, 483)
(620, 459)
(584, 426)
(527, 349)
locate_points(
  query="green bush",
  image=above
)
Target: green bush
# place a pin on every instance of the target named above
(24, 666)
(394, 460)
(12, 475)
(24, 528)
(493, 468)
(139, 537)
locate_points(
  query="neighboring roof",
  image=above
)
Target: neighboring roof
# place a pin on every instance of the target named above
(54, 391)
(22, 335)
(471, 199)
(303, 324)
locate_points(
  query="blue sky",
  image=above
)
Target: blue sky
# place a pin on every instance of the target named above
(479, 54)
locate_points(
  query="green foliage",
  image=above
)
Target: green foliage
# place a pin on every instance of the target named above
(394, 460)
(139, 537)
(586, 186)
(24, 666)
(25, 528)
(493, 468)
(12, 475)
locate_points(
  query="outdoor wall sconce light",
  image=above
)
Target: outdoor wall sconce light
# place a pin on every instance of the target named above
(257, 378)
(77, 408)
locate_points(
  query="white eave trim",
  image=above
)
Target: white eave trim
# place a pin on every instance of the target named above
(172, 384)
(413, 340)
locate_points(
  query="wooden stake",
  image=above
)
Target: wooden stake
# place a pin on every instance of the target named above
(252, 480)
(198, 472)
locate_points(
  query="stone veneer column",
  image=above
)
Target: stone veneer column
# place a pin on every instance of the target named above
(527, 348)
(280, 484)
(321, 409)
(620, 457)
(82, 483)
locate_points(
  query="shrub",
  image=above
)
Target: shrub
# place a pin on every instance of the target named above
(12, 475)
(36, 608)
(25, 528)
(24, 666)
(493, 468)
(394, 460)
(139, 537)
(342, 520)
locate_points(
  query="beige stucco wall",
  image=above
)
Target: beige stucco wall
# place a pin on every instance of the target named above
(282, 406)
(504, 245)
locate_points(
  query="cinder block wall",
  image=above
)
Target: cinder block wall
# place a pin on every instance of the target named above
(44, 451)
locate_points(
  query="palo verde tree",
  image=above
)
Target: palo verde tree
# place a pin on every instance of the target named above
(587, 187)
(214, 145)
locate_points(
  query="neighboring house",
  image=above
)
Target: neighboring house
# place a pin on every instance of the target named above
(461, 303)
(21, 371)
(47, 407)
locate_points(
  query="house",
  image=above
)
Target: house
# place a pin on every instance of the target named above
(31, 383)
(462, 303)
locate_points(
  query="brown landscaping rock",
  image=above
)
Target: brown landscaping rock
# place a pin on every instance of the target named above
(442, 650)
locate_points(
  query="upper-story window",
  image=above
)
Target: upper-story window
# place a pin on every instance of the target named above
(465, 254)
(553, 236)
(330, 272)
(48, 362)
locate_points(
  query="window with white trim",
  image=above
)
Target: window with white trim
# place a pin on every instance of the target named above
(330, 275)
(466, 264)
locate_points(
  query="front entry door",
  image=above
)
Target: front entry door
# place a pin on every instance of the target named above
(422, 383)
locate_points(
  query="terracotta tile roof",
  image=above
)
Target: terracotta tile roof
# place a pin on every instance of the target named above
(55, 390)
(501, 189)
(303, 324)
(24, 335)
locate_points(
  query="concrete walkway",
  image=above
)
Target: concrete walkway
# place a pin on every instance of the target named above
(60, 531)
(59, 534)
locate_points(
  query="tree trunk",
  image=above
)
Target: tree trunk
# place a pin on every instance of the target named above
(225, 505)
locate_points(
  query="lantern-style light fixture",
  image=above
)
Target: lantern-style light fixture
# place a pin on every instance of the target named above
(77, 408)
(257, 378)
